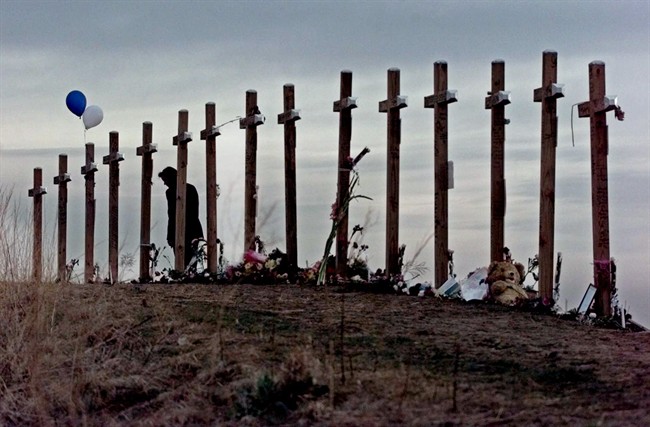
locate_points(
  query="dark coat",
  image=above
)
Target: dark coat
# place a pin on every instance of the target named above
(193, 228)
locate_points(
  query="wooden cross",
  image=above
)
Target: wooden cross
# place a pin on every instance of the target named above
(180, 141)
(62, 181)
(392, 106)
(547, 94)
(209, 134)
(250, 122)
(88, 170)
(439, 100)
(37, 193)
(596, 108)
(344, 107)
(113, 159)
(496, 101)
(288, 118)
(146, 151)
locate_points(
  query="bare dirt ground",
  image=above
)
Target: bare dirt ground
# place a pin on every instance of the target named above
(290, 355)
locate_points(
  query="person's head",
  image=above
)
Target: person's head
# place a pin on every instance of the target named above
(168, 175)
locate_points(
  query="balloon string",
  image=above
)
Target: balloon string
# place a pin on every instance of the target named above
(85, 130)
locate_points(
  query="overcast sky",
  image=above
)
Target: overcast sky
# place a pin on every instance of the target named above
(145, 61)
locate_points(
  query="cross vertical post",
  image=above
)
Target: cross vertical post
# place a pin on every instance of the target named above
(250, 122)
(146, 151)
(180, 141)
(439, 100)
(496, 101)
(288, 118)
(62, 228)
(547, 94)
(37, 250)
(392, 106)
(88, 170)
(596, 109)
(344, 107)
(113, 159)
(209, 134)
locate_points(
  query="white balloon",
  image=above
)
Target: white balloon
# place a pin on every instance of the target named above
(92, 116)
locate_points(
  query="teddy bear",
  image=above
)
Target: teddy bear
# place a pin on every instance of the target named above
(504, 281)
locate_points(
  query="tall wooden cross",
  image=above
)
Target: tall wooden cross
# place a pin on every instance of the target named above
(288, 118)
(209, 135)
(496, 101)
(62, 228)
(439, 100)
(250, 122)
(548, 95)
(392, 106)
(180, 141)
(37, 193)
(88, 170)
(113, 159)
(596, 109)
(146, 150)
(344, 107)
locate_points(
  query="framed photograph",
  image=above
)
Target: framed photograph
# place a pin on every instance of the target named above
(587, 299)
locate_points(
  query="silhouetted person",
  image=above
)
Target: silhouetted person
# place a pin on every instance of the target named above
(193, 229)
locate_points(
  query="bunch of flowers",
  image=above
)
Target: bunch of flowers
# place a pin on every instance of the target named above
(69, 269)
(338, 213)
(259, 268)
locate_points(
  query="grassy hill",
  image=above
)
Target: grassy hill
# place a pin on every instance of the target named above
(290, 355)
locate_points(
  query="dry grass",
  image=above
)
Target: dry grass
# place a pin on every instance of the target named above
(261, 355)
(107, 356)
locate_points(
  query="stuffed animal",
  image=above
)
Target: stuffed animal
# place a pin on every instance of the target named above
(504, 281)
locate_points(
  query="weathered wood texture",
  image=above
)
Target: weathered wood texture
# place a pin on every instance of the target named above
(88, 170)
(392, 106)
(37, 247)
(62, 218)
(343, 181)
(250, 183)
(439, 102)
(210, 138)
(288, 119)
(596, 109)
(548, 99)
(146, 150)
(113, 160)
(497, 179)
(180, 141)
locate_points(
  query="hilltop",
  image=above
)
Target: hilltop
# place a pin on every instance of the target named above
(291, 355)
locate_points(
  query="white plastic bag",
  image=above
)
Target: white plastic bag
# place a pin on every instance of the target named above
(474, 287)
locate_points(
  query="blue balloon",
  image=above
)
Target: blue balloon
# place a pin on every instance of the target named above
(76, 102)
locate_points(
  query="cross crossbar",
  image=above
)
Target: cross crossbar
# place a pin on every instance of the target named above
(253, 120)
(605, 104)
(288, 116)
(112, 158)
(399, 102)
(182, 138)
(212, 132)
(446, 97)
(37, 191)
(552, 91)
(146, 149)
(89, 167)
(62, 179)
(347, 103)
(502, 97)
